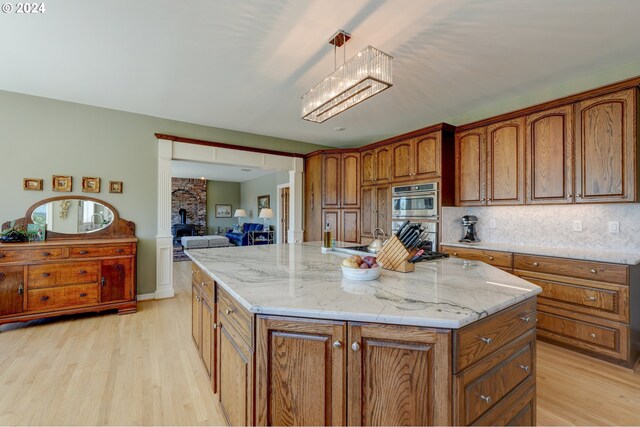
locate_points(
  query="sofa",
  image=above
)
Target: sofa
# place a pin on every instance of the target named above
(242, 239)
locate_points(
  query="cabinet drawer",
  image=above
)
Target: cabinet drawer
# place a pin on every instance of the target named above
(485, 384)
(589, 270)
(206, 283)
(606, 338)
(64, 296)
(237, 316)
(46, 275)
(495, 258)
(479, 339)
(15, 255)
(605, 300)
(517, 409)
(100, 251)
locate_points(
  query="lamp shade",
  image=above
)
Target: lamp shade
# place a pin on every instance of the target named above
(266, 213)
(240, 213)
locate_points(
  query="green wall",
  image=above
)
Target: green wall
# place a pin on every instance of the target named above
(40, 137)
(224, 193)
(250, 190)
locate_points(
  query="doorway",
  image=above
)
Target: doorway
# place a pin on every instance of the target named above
(283, 213)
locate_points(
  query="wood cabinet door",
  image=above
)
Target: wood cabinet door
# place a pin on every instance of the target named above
(196, 316)
(350, 225)
(427, 149)
(398, 375)
(207, 350)
(117, 280)
(382, 208)
(606, 143)
(301, 372)
(331, 217)
(403, 154)
(350, 168)
(383, 165)
(471, 164)
(313, 199)
(331, 180)
(367, 211)
(235, 376)
(11, 290)
(505, 162)
(549, 153)
(368, 164)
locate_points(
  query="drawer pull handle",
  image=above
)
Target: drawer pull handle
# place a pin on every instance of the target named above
(487, 399)
(46, 253)
(229, 311)
(593, 270)
(592, 298)
(204, 284)
(491, 258)
(21, 289)
(526, 319)
(592, 335)
(83, 252)
(83, 271)
(119, 251)
(455, 254)
(1, 256)
(524, 368)
(82, 295)
(337, 344)
(536, 264)
(486, 340)
(46, 274)
(44, 298)
(355, 346)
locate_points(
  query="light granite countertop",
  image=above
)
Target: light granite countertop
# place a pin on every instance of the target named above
(573, 253)
(298, 280)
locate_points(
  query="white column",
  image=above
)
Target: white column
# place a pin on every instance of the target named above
(164, 239)
(296, 185)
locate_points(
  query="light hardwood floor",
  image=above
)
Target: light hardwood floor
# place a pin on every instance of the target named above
(143, 369)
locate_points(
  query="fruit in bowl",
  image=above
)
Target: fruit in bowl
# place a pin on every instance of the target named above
(358, 268)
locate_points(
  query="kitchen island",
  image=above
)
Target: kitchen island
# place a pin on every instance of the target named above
(286, 340)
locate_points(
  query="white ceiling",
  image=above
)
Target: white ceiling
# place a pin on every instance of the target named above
(214, 172)
(243, 65)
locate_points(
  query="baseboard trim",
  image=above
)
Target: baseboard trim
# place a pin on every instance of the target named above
(165, 293)
(145, 297)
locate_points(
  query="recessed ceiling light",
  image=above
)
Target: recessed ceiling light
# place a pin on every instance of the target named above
(339, 129)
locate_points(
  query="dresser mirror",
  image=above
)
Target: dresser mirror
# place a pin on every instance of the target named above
(73, 216)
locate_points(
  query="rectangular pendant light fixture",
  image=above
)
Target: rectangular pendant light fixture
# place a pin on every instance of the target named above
(366, 74)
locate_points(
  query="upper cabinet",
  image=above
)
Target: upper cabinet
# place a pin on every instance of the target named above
(368, 167)
(313, 198)
(549, 154)
(383, 165)
(331, 182)
(417, 158)
(350, 180)
(471, 164)
(606, 143)
(505, 162)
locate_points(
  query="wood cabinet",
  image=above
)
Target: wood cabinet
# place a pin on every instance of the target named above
(313, 225)
(376, 210)
(606, 148)
(505, 162)
(331, 180)
(471, 167)
(343, 223)
(376, 166)
(204, 321)
(549, 154)
(398, 375)
(58, 276)
(350, 180)
(11, 290)
(301, 372)
(417, 158)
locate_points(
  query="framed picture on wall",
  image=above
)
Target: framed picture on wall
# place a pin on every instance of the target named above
(264, 202)
(32, 184)
(90, 184)
(61, 183)
(223, 211)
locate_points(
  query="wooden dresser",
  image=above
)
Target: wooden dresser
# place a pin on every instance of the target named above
(65, 275)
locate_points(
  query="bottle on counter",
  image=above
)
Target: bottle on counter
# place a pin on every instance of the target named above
(326, 237)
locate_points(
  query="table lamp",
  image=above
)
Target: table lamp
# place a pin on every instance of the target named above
(265, 214)
(239, 213)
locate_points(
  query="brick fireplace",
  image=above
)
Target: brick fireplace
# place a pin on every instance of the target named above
(190, 195)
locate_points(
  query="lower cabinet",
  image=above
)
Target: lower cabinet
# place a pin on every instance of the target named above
(11, 290)
(203, 324)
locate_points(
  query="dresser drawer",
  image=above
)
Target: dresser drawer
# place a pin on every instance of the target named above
(605, 337)
(100, 251)
(237, 316)
(47, 275)
(605, 300)
(479, 339)
(483, 385)
(614, 273)
(16, 255)
(62, 297)
(495, 258)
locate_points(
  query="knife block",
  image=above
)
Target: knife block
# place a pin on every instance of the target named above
(394, 256)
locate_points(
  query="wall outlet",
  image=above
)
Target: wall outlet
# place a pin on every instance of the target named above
(614, 227)
(492, 223)
(577, 225)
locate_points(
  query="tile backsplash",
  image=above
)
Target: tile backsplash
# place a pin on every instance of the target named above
(551, 225)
